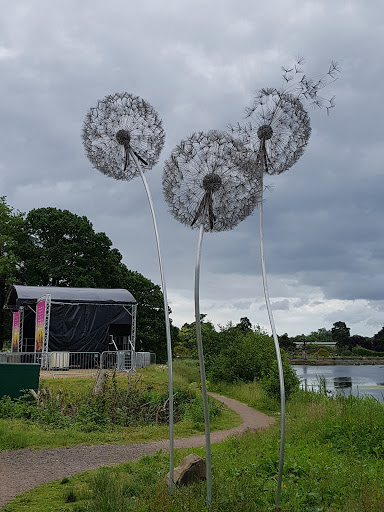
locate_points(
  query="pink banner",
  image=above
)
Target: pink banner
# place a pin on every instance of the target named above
(40, 321)
(16, 331)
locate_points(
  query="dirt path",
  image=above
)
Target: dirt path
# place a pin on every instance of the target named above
(21, 470)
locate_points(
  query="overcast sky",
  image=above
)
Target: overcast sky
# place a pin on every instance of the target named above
(199, 63)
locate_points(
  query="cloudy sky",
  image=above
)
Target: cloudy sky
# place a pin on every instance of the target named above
(199, 63)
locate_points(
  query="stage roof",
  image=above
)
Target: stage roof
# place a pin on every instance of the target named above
(23, 295)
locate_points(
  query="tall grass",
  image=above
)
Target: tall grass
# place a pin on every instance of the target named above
(134, 408)
(334, 463)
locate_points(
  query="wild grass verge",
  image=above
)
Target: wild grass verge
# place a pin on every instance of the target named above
(132, 409)
(334, 463)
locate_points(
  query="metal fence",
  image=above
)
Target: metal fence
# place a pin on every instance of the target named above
(121, 360)
(144, 359)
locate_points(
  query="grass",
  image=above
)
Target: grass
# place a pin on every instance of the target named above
(18, 433)
(333, 463)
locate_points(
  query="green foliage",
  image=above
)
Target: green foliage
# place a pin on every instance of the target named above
(271, 382)
(322, 352)
(286, 343)
(239, 355)
(195, 411)
(64, 250)
(151, 335)
(52, 247)
(136, 406)
(340, 335)
(11, 236)
(333, 462)
(378, 340)
(364, 352)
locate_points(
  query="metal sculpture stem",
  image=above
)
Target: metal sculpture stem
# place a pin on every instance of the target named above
(167, 328)
(278, 356)
(202, 367)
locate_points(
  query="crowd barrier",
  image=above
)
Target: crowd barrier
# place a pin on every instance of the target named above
(121, 360)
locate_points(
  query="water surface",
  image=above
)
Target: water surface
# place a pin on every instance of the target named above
(358, 380)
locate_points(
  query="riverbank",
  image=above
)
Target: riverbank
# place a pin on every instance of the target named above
(330, 361)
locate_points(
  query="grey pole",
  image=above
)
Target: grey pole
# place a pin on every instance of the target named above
(167, 328)
(278, 356)
(202, 367)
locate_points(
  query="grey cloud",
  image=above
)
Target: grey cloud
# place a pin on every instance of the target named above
(323, 219)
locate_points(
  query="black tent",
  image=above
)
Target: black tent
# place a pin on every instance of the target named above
(81, 319)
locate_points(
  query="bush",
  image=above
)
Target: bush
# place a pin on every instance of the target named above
(91, 413)
(322, 352)
(241, 356)
(361, 351)
(271, 383)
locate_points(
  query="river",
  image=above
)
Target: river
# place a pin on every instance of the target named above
(356, 379)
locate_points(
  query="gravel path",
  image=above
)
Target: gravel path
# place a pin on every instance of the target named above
(21, 470)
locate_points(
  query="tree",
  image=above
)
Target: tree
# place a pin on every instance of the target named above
(64, 250)
(360, 341)
(11, 232)
(150, 327)
(52, 247)
(187, 337)
(340, 335)
(287, 343)
(245, 324)
(322, 335)
(378, 341)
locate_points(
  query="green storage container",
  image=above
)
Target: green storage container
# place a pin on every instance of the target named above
(15, 377)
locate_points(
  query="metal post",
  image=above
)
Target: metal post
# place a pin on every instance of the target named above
(167, 327)
(278, 356)
(202, 367)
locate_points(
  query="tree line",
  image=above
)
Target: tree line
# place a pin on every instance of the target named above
(338, 334)
(52, 247)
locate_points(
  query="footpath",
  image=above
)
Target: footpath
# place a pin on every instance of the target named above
(22, 470)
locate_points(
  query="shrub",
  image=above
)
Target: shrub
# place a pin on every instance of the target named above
(271, 383)
(241, 356)
(322, 352)
(361, 351)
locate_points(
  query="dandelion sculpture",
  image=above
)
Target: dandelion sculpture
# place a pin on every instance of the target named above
(123, 137)
(206, 185)
(277, 133)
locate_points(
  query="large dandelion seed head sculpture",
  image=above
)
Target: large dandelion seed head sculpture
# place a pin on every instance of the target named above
(278, 127)
(278, 130)
(206, 181)
(119, 129)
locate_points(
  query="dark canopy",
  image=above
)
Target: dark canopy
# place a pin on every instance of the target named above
(25, 295)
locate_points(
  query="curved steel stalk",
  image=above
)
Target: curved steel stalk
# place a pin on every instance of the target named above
(278, 355)
(167, 327)
(202, 367)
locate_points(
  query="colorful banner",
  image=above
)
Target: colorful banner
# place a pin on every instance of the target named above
(40, 322)
(16, 331)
